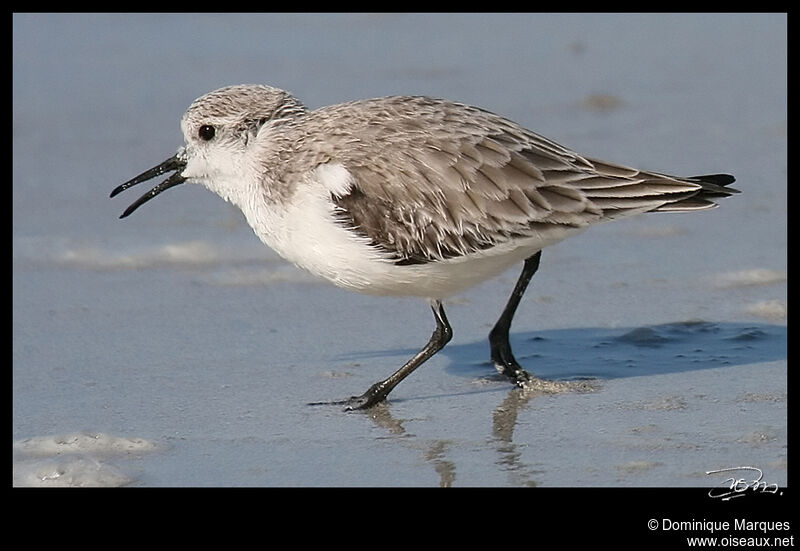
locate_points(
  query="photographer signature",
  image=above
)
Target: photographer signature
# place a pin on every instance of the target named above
(737, 487)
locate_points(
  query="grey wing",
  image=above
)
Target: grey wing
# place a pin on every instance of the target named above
(456, 193)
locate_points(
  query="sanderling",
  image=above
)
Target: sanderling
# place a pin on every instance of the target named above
(407, 196)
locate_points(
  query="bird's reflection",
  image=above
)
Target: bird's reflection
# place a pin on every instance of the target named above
(504, 421)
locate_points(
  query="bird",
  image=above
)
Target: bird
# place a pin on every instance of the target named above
(407, 196)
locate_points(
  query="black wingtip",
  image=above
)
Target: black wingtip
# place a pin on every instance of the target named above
(716, 179)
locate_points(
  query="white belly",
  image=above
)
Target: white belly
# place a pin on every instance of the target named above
(306, 233)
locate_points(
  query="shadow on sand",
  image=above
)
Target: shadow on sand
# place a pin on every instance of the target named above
(602, 353)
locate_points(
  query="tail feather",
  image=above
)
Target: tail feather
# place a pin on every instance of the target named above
(721, 180)
(712, 186)
(715, 185)
(620, 191)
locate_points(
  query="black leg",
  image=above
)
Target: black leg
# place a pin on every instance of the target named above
(380, 390)
(502, 357)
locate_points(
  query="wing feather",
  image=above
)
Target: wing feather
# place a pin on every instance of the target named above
(455, 180)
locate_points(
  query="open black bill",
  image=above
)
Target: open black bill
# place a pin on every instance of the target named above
(175, 163)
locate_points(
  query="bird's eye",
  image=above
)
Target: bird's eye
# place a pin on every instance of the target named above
(206, 132)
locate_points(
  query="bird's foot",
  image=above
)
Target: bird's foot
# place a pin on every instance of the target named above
(514, 371)
(375, 394)
(526, 381)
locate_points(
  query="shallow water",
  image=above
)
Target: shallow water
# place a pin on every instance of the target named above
(178, 330)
